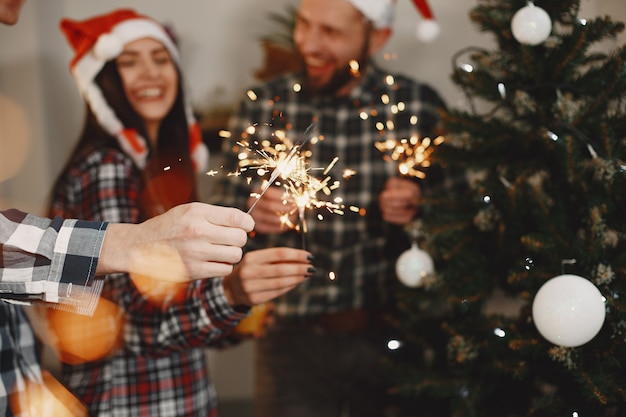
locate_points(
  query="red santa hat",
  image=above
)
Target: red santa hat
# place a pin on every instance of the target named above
(102, 38)
(381, 13)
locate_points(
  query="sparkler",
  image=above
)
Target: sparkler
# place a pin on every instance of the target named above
(411, 155)
(285, 166)
(288, 163)
(304, 195)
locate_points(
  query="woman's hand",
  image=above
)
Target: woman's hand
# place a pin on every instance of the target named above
(265, 274)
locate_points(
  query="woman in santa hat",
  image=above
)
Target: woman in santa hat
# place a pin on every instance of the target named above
(143, 351)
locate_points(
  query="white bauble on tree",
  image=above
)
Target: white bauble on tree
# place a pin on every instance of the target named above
(568, 310)
(531, 25)
(413, 265)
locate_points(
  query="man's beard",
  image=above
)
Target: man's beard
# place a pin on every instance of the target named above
(341, 77)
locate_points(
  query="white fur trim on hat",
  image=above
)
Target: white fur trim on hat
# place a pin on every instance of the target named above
(379, 12)
(111, 44)
(108, 46)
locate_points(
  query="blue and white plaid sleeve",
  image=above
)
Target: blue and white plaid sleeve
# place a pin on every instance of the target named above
(50, 261)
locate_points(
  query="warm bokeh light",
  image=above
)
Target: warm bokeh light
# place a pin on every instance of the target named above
(159, 292)
(51, 399)
(77, 338)
(254, 324)
(160, 262)
(159, 273)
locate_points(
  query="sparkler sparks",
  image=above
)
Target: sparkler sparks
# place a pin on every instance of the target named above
(304, 194)
(412, 155)
(289, 168)
(287, 165)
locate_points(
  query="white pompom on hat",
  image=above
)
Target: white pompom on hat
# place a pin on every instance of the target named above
(428, 28)
(381, 14)
(102, 38)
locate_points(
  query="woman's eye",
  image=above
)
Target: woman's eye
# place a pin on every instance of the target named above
(125, 62)
(162, 58)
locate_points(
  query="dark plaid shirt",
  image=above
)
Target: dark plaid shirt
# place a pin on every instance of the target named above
(161, 368)
(46, 262)
(352, 246)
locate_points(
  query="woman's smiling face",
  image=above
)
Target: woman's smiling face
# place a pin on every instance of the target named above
(150, 81)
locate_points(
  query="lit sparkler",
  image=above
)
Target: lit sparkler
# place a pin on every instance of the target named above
(412, 155)
(288, 163)
(285, 165)
(304, 194)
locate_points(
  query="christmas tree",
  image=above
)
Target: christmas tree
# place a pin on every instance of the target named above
(542, 140)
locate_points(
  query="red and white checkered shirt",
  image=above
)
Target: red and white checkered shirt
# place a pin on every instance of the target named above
(160, 368)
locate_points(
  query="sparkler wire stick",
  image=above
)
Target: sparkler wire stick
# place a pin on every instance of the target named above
(292, 152)
(302, 226)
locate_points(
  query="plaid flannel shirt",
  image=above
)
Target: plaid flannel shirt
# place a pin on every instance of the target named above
(42, 261)
(353, 247)
(161, 369)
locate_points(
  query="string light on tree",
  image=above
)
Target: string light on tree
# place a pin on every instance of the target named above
(531, 25)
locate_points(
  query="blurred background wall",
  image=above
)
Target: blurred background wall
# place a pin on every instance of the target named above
(41, 112)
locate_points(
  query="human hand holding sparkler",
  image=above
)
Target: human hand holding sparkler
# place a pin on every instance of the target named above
(269, 213)
(399, 200)
(265, 274)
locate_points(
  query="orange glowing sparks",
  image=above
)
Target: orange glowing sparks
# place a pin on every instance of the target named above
(302, 190)
(347, 173)
(49, 398)
(288, 164)
(284, 164)
(412, 155)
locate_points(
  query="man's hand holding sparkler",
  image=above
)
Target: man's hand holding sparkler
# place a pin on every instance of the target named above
(268, 211)
(399, 201)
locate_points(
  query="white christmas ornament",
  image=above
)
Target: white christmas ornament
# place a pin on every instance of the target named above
(531, 25)
(413, 265)
(568, 310)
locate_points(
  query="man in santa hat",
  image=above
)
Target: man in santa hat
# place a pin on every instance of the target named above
(322, 355)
